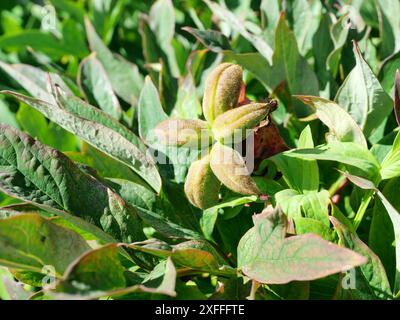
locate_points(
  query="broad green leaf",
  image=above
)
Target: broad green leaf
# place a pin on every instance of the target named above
(301, 175)
(387, 72)
(394, 216)
(313, 205)
(124, 76)
(33, 80)
(341, 125)
(308, 225)
(104, 165)
(150, 110)
(322, 46)
(39, 174)
(357, 158)
(212, 39)
(150, 113)
(138, 194)
(306, 16)
(111, 142)
(90, 278)
(265, 255)
(166, 227)
(7, 116)
(29, 242)
(299, 76)
(391, 163)
(383, 147)
(158, 65)
(385, 247)
(162, 22)
(363, 97)
(95, 270)
(258, 42)
(395, 219)
(39, 41)
(271, 11)
(339, 32)
(210, 215)
(371, 281)
(389, 26)
(32, 122)
(187, 104)
(106, 15)
(95, 83)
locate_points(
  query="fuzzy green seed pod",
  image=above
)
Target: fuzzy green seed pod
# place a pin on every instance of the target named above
(234, 125)
(183, 132)
(222, 90)
(201, 185)
(230, 168)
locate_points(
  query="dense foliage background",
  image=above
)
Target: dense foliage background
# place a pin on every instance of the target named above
(140, 62)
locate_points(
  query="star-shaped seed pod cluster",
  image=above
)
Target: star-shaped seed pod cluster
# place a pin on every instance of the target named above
(226, 125)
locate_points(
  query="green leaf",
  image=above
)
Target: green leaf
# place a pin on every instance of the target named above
(266, 256)
(224, 14)
(394, 216)
(150, 113)
(95, 82)
(166, 227)
(313, 205)
(34, 80)
(39, 174)
(301, 175)
(162, 22)
(129, 152)
(363, 97)
(356, 157)
(387, 72)
(39, 41)
(339, 32)
(342, 126)
(385, 247)
(395, 219)
(389, 26)
(7, 116)
(390, 166)
(288, 62)
(124, 76)
(210, 215)
(371, 281)
(308, 225)
(96, 270)
(212, 39)
(306, 16)
(29, 242)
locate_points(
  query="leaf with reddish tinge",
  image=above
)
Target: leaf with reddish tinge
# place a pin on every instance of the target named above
(265, 255)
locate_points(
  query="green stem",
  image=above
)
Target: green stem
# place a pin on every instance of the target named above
(363, 207)
(337, 185)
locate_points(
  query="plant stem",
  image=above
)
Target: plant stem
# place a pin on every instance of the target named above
(337, 185)
(363, 207)
(254, 286)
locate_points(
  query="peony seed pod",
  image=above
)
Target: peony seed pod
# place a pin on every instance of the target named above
(184, 133)
(201, 185)
(230, 168)
(222, 90)
(236, 124)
